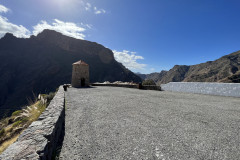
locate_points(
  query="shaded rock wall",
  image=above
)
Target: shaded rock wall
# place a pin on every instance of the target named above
(40, 139)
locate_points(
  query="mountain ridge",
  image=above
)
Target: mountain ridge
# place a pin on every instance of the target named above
(42, 63)
(226, 69)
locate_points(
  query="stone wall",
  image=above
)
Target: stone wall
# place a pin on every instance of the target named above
(147, 87)
(115, 85)
(151, 87)
(222, 89)
(40, 139)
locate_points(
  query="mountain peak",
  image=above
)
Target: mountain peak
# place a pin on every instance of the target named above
(48, 33)
(9, 36)
(48, 58)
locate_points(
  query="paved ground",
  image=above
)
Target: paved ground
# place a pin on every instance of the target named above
(120, 123)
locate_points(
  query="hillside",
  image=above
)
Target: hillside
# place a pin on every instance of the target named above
(41, 63)
(154, 76)
(225, 69)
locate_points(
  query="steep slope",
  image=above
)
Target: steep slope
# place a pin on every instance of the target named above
(224, 69)
(176, 74)
(41, 63)
(216, 71)
(154, 76)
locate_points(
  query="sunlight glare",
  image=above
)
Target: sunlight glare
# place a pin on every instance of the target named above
(63, 4)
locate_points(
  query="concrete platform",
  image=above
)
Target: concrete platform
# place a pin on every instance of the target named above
(122, 123)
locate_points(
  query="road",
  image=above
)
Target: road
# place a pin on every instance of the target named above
(111, 123)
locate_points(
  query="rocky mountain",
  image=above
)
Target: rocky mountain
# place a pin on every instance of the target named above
(154, 76)
(225, 69)
(41, 63)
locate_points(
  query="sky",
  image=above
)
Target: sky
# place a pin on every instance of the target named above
(145, 35)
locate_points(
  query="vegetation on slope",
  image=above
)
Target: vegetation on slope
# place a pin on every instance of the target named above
(148, 82)
(11, 127)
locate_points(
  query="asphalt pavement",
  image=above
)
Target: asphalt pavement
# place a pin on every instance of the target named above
(111, 123)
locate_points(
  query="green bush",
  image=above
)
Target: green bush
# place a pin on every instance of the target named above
(22, 121)
(41, 107)
(2, 132)
(16, 113)
(17, 123)
(148, 82)
(50, 96)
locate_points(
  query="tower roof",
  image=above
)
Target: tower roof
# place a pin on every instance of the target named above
(80, 63)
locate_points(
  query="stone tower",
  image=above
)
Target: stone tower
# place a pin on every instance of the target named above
(80, 74)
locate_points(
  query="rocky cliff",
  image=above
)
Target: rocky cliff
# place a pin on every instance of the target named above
(225, 69)
(154, 76)
(41, 63)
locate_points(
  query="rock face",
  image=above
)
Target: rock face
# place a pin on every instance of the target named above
(154, 76)
(225, 69)
(41, 63)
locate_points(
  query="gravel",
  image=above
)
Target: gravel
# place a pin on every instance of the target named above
(121, 123)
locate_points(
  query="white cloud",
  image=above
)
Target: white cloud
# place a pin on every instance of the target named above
(99, 11)
(89, 7)
(8, 27)
(129, 59)
(3, 9)
(66, 28)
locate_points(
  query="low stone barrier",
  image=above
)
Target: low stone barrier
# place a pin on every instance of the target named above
(40, 139)
(222, 89)
(151, 87)
(147, 87)
(115, 85)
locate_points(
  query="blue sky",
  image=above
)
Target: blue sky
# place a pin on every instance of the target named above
(145, 35)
